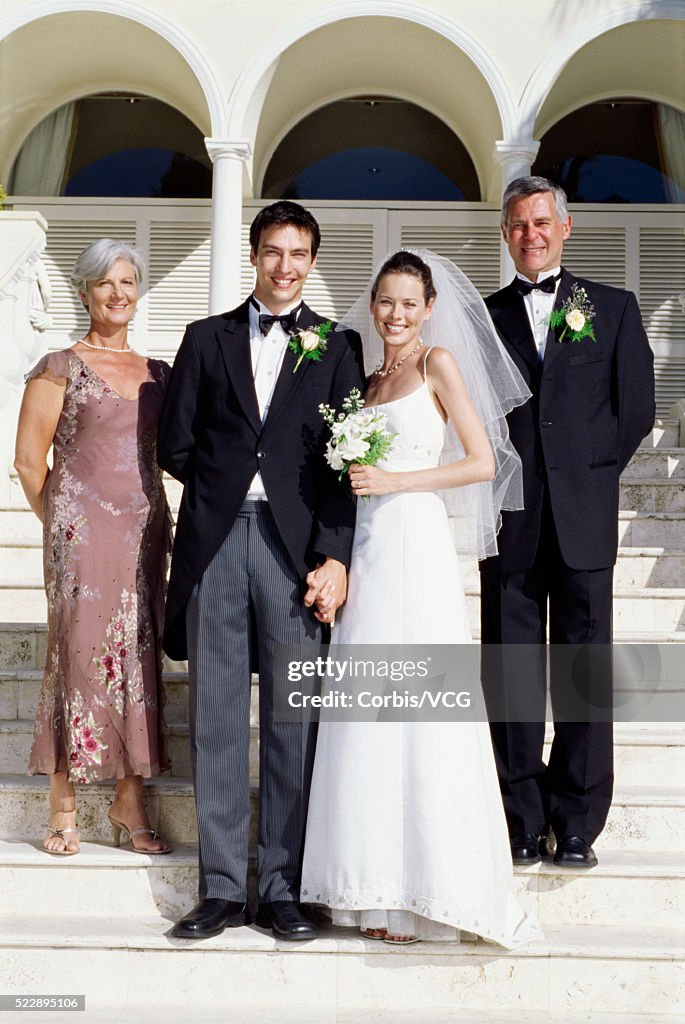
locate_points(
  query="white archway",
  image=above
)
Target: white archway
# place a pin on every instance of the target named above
(14, 20)
(247, 98)
(552, 67)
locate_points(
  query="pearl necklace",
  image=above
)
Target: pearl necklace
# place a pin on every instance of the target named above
(107, 348)
(396, 366)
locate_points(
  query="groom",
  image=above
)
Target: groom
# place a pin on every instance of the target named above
(593, 402)
(261, 513)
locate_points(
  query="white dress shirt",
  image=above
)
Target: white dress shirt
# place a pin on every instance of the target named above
(266, 353)
(539, 305)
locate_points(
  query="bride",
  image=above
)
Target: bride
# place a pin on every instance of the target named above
(406, 837)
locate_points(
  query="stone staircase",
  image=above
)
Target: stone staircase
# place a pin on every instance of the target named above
(614, 947)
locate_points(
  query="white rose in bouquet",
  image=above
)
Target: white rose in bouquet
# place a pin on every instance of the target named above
(352, 448)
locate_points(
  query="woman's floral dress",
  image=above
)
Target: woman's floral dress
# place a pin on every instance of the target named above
(106, 539)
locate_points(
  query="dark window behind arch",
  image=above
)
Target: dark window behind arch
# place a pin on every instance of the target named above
(614, 151)
(371, 148)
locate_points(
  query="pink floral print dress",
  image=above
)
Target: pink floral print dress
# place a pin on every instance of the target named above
(106, 539)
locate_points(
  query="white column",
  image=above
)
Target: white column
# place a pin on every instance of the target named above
(227, 207)
(516, 160)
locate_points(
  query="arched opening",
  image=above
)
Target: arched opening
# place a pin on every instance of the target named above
(57, 60)
(371, 148)
(302, 111)
(114, 144)
(619, 150)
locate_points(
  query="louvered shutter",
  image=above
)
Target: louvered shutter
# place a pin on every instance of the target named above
(343, 266)
(475, 249)
(662, 299)
(179, 279)
(65, 240)
(598, 253)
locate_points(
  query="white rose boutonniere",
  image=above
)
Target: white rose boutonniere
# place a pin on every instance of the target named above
(357, 435)
(310, 343)
(576, 316)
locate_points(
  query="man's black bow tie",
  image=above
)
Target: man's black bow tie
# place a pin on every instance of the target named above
(287, 320)
(526, 287)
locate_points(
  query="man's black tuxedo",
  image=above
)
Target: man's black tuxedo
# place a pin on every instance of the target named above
(237, 580)
(592, 402)
(211, 438)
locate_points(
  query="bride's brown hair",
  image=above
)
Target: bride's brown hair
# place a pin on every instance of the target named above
(404, 262)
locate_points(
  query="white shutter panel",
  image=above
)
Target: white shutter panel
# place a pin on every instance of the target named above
(179, 278)
(474, 248)
(669, 372)
(65, 240)
(662, 293)
(343, 267)
(598, 253)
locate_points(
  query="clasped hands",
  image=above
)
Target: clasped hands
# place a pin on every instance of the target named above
(327, 589)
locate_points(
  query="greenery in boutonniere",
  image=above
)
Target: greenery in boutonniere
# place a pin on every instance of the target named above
(310, 343)
(576, 315)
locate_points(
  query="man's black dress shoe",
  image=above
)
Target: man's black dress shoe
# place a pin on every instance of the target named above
(286, 920)
(524, 849)
(574, 852)
(210, 917)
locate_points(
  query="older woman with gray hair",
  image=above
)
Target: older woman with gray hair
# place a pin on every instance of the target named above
(106, 537)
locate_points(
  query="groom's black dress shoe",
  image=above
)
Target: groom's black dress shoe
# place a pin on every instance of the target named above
(574, 852)
(286, 920)
(524, 849)
(210, 917)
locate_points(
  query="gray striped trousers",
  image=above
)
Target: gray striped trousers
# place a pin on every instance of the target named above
(249, 598)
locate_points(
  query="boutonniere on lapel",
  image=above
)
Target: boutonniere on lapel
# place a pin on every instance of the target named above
(310, 343)
(575, 315)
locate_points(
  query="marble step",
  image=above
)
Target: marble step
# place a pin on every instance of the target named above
(22, 558)
(646, 609)
(652, 494)
(120, 883)
(651, 529)
(662, 462)
(179, 1014)
(642, 818)
(574, 968)
(650, 753)
(16, 737)
(23, 644)
(664, 434)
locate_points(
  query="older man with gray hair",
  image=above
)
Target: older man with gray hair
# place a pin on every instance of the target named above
(584, 354)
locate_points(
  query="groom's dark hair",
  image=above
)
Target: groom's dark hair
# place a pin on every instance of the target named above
(280, 214)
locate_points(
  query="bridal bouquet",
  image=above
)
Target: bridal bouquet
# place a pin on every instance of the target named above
(357, 434)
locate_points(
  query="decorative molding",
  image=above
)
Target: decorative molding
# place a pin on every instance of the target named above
(221, 148)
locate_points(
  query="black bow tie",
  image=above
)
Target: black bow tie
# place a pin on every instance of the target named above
(526, 287)
(287, 320)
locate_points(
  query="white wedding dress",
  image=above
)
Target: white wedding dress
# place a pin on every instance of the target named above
(406, 829)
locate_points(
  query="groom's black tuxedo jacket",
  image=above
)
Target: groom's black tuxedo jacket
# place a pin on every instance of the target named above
(592, 404)
(211, 438)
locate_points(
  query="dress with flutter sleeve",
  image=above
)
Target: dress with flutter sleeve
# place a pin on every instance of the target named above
(106, 538)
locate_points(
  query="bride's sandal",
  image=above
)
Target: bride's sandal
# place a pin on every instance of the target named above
(374, 933)
(118, 827)
(400, 940)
